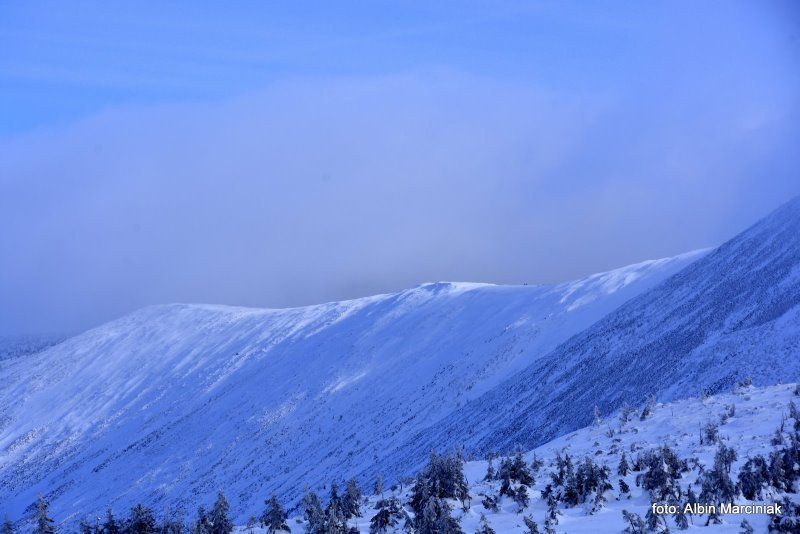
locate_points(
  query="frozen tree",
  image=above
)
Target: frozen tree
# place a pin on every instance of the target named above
(635, 524)
(788, 520)
(203, 524)
(746, 528)
(274, 518)
(110, 525)
(753, 478)
(530, 525)
(624, 489)
(647, 409)
(679, 516)
(382, 520)
(623, 468)
(490, 503)
(436, 518)
(44, 523)
(8, 526)
(711, 433)
(484, 527)
(220, 522)
(625, 413)
(596, 416)
(378, 487)
(173, 524)
(490, 474)
(521, 498)
(351, 500)
(141, 521)
(252, 521)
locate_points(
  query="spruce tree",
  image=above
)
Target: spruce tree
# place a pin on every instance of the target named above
(635, 524)
(382, 520)
(351, 502)
(680, 517)
(521, 498)
(489, 470)
(44, 523)
(530, 525)
(623, 468)
(141, 521)
(484, 527)
(252, 521)
(274, 518)
(220, 522)
(746, 528)
(110, 526)
(8, 526)
(378, 487)
(202, 525)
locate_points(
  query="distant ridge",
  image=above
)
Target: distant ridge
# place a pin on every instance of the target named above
(171, 403)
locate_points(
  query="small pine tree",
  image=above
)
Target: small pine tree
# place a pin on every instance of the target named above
(274, 518)
(623, 468)
(530, 525)
(44, 523)
(711, 433)
(681, 521)
(8, 526)
(484, 527)
(490, 474)
(110, 526)
(378, 487)
(746, 527)
(521, 498)
(624, 489)
(220, 522)
(490, 503)
(351, 501)
(141, 521)
(625, 414)
(596, 416)
(647, 409)
(635, 523)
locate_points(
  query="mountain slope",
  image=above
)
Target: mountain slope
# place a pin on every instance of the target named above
(733, 313)
(758, 413)
(171, 403)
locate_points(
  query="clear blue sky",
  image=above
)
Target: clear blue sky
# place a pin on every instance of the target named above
(279, 153)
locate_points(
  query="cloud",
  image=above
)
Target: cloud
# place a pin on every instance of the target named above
(328, 188)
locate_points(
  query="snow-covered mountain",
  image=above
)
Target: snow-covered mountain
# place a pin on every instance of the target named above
(733, 313)
(171, 403)
(756, 415)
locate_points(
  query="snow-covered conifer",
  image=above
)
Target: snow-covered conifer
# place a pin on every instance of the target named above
(220, 522)
(623, 468)
(274, 518)
(530, 525)
(44, 523)
(484, 527)
(351, 499)
(141, 521)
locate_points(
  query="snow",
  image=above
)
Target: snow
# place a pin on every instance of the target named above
(172, 402)
(758, 414)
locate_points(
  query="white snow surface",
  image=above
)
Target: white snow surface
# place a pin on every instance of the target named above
(171, 403)
(758, 413)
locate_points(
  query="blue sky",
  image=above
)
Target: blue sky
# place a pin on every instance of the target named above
(273, 154)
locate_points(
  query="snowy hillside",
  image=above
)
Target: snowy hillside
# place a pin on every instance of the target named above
(757, 413)
(171, 403)
(23, 345)
(733, 313)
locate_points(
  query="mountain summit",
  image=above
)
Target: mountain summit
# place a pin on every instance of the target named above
(171, 403)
